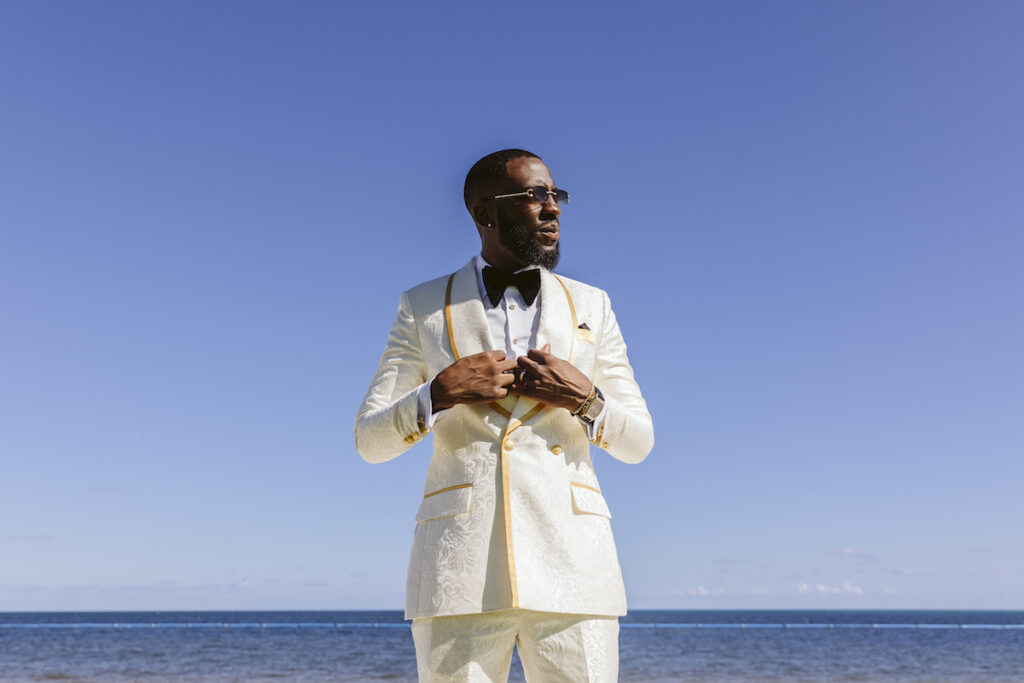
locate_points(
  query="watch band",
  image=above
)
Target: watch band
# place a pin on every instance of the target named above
(591, 407)
(586, 402)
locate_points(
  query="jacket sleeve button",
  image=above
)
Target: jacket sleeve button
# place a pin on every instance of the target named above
(556, 449)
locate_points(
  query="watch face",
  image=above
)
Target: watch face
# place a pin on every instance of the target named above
(595, 409)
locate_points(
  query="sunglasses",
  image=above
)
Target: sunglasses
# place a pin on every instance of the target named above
(539, 194)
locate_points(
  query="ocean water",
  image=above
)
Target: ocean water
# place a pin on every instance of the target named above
(655, 646)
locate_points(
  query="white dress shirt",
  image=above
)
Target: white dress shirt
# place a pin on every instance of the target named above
(513, 326)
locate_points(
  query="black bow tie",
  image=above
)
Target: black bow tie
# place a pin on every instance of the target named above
(496, 281)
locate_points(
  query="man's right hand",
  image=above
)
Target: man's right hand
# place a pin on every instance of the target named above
(480, 378)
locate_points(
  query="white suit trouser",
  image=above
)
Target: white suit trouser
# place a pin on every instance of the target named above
(552, 647)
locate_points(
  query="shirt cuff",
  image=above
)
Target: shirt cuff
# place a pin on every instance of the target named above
(426, 406)
(594, 428)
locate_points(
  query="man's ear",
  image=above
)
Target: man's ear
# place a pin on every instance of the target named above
(482, 214)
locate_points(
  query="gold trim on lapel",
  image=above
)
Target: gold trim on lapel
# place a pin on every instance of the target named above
(470, 309)
(527, 416)
(505, 413)
(464, 314)
(448, 318)
(557, 317)
(572, 311)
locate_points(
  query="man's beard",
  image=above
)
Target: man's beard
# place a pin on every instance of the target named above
(523, 244)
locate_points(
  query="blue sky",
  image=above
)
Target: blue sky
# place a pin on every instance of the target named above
(808, 217)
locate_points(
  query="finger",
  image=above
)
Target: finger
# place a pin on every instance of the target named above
(506, 364)
(540, 355)
(506, 378)
(525, 387)
(495, 355)
(528, 364)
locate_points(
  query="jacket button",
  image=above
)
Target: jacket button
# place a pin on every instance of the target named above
(508, 445)
(556, 449)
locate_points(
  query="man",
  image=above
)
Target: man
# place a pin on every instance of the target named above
(515, 371)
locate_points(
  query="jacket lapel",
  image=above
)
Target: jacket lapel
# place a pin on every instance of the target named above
(467, 323)
(469, 332)
(556, 317)
(465, 315)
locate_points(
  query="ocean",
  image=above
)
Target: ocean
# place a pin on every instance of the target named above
(654, 646)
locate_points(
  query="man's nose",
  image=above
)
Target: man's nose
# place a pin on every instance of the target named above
(551, 206)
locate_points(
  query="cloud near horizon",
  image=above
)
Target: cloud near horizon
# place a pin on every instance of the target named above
(847, 588)
(849, 551)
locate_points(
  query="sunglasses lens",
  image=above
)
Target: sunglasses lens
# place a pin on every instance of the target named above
(542, 194)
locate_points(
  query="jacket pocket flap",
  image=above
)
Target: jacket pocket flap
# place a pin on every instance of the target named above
(588, 501)
(446, 502)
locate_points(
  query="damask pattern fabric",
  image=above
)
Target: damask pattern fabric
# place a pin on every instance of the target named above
(512, 513)
(552, 647)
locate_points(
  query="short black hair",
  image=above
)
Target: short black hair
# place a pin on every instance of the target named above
(491, 167)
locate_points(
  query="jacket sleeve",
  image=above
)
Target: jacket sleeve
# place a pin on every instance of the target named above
(626, 432)
(388, 421)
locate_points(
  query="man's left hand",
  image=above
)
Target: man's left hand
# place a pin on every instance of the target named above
(551, 380)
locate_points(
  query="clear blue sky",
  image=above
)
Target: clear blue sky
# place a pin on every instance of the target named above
(808, 216)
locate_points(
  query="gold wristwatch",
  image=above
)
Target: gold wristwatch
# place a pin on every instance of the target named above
(591, 406)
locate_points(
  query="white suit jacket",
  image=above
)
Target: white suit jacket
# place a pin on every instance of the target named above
(512, 512)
